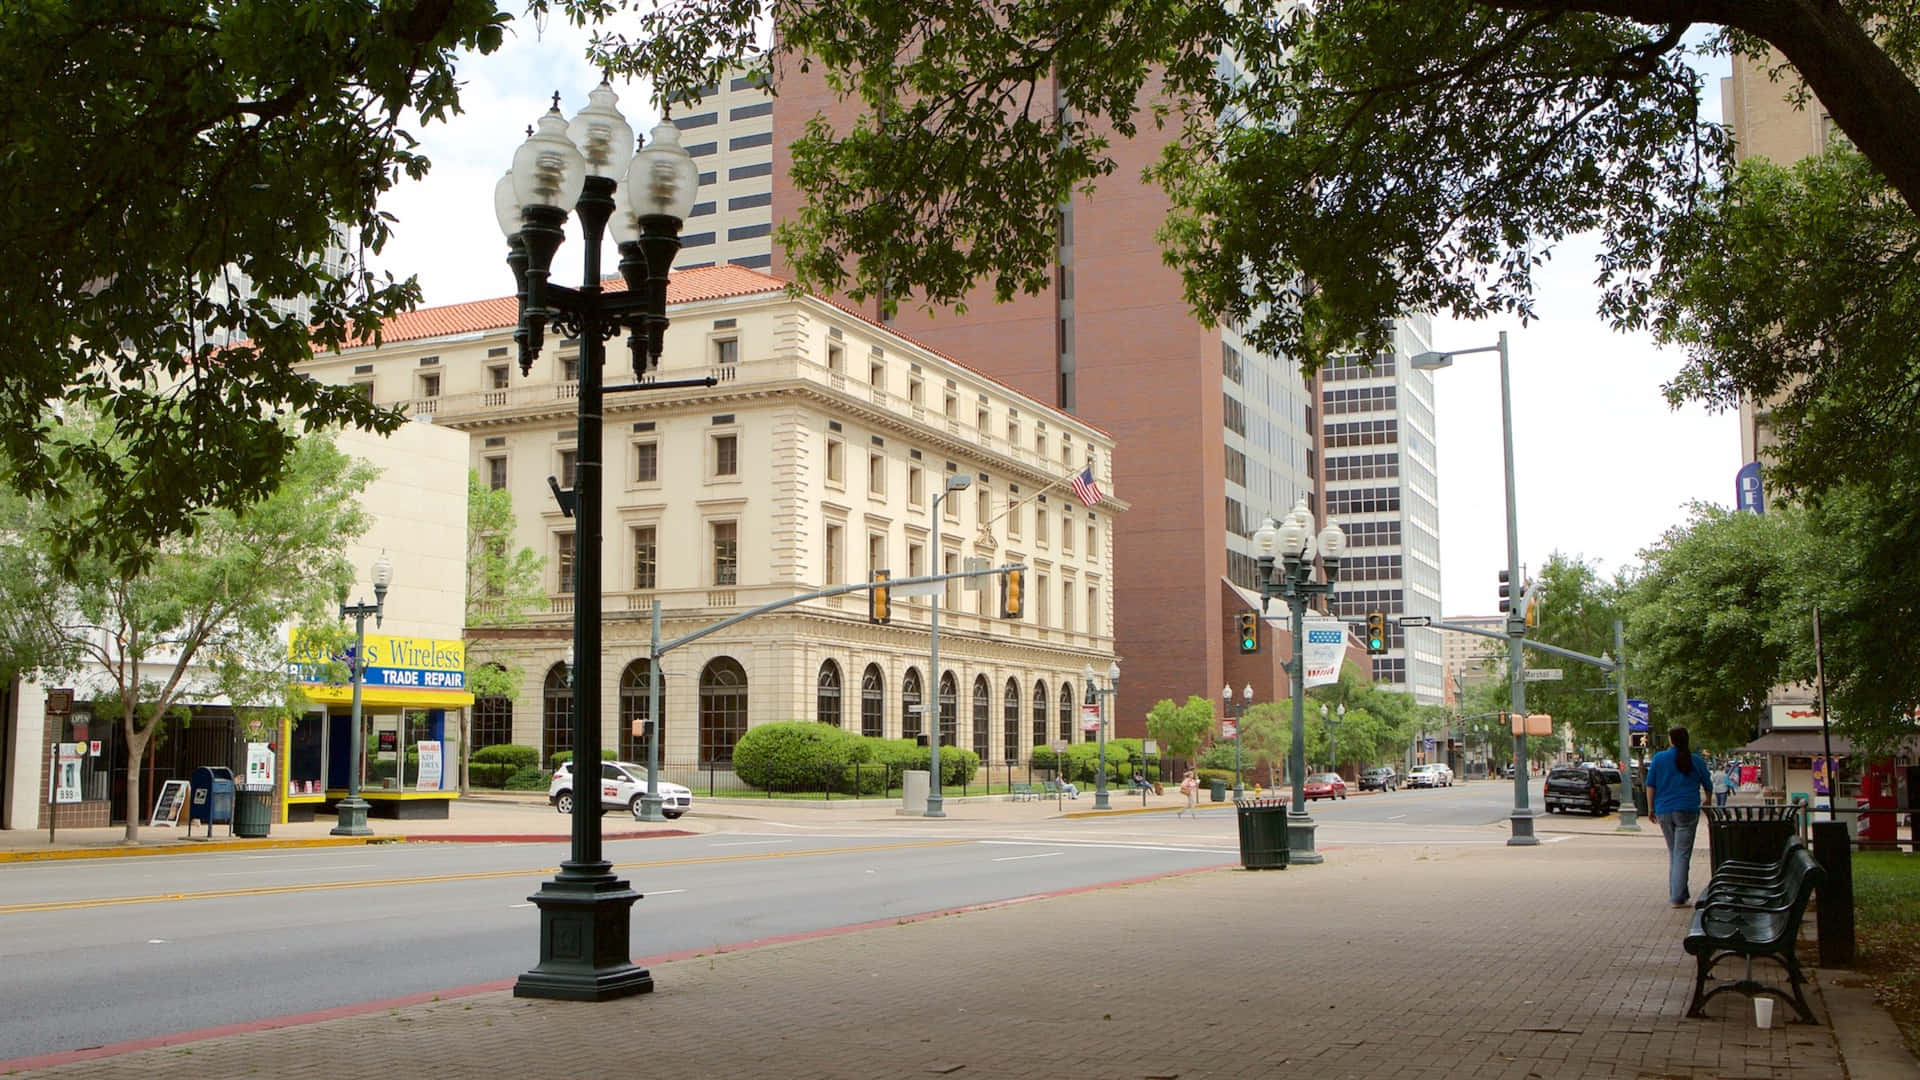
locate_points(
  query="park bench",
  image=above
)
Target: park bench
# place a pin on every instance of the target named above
(1023, 791)
(1754, 912)
(1054, 787)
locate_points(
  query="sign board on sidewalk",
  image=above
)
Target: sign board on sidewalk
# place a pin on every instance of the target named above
(429, 751)
(66, 772)
(1545, 674)
(259, 772)
(166, 808)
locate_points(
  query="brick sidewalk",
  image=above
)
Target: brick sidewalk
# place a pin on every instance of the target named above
(1557, 961)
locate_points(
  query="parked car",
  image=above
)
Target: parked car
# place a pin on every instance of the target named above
(1582, 787)
(1324, 785)
(1379, 778)
(622, 783)
(1430, 776)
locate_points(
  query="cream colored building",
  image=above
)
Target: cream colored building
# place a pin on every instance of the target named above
(816, 460)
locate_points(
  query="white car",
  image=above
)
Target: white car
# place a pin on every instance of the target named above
(1429, 776)
(622, 784)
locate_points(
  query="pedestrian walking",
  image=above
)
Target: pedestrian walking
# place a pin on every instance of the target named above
(1677, 781)
(1189, 787)
(1725, 785)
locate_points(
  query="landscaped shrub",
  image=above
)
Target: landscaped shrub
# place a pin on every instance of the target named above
(505, 754)
(867, 778)
(957, 766)
(795, 755)
(561, 756)
(492, 774)
(898, 755)
(529, 778)
(1216, 774)
(1044, 758)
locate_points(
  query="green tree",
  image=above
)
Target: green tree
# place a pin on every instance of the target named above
(503, 586)
(1577, 609)
(1181, 729)
(204, 614)
(157, 151)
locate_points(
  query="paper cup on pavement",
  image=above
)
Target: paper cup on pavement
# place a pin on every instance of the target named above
(1763, 1012)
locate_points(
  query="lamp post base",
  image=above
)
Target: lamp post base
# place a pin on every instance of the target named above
(1300, 850)
(936, 804)
(1522, 830)
(1629, 819)
(584, 944)
(649, 809)
(1100, 801)
(352, 812)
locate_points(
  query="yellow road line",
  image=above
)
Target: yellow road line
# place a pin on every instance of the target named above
(437, 879)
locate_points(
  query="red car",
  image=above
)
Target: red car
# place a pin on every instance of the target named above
(1324, 785)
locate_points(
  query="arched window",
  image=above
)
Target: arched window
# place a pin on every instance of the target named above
(910, 704)
(1066, 712)
(982, 718)
(556, 715)
(1010, 721)
(723, 710)
(949, 710)
(1039, 715)
(826, 695)
(492, 720)
(873, 702)
(635, 699)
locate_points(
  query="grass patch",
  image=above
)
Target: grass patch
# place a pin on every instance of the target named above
(1886, 893)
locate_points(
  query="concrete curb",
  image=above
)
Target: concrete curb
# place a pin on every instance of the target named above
(181, 847)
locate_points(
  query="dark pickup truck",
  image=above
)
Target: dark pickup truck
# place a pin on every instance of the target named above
(1590, 788)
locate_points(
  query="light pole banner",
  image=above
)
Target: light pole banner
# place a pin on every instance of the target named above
(1747, 489)
(1321, 652)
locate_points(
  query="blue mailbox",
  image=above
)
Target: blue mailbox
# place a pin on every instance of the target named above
(212, 798)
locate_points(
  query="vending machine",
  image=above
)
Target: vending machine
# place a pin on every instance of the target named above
(1878, 793)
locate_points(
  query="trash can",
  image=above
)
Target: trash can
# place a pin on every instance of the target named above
(1263, 833)
(211, 800)
(253, 811)
(1749, 833)
(1218, 789)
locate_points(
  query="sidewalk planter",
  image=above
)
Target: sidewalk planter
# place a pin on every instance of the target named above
(252, 811)
(1749, 833)
(1263, 833)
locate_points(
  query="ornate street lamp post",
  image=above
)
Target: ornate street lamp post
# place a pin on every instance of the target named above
(936, 803)
(352, 810)
(1291, 579)
(588, 166)
(1100, 801)
(1239, 715)
(1333, 733)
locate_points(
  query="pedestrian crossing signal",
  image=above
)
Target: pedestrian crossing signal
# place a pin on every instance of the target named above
(1249, 632)
(879, 600)
(1013, 594)
(1376, 633)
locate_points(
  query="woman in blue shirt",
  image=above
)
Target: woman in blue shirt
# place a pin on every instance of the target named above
(1677, 778)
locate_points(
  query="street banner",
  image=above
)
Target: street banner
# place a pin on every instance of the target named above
(1321, 652)
(1639, 715)
(1748, 493)
(1090, 718)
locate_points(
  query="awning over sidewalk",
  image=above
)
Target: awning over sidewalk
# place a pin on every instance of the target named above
(1807, 744)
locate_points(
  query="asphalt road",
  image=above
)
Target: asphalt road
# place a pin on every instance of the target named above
(103, 951)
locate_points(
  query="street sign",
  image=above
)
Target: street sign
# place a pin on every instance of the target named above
(977, 577)
(1545, 674)
(1638, 714)
(1416, 620)
(925, 588)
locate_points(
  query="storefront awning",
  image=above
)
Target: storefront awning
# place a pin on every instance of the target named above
(1807, 744)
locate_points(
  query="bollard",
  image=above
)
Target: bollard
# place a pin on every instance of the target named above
(1834, 849)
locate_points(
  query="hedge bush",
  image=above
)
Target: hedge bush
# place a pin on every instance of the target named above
(529, 778)
(796, 755)
(562, 756)
(493, 774)
(505, 754)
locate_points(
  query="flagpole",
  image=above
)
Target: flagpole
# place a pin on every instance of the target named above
(1013, 504)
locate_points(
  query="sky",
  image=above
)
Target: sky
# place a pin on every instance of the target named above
(1603, 465)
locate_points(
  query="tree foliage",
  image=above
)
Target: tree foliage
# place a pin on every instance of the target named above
(204, 615)
(155, 152)
(1181, 729)
(503, 585)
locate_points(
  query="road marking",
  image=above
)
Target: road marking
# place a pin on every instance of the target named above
(301, 869)
(752, 843)
(441, 879)
(663, 892)
(1039, 855)
(529, 904)
(1398, 817)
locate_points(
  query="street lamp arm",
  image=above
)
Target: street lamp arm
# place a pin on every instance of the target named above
(1601, 662)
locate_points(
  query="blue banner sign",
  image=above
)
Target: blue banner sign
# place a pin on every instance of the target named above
(1639, 713)
(1748, 494)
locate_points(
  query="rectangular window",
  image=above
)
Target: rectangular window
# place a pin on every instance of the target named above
(950, 588)
(726, 553)
(646, 555)
(430, 385)
(1066, 604)
(916, 486)
(876, 474)
(726, 455)
(1066, 531)
(1093, 609)
(749, 232)
(1092, 534)
(568, 458)
(877, 375)
(497, 473)
(982, 421)
(835, 541)
(1014, 513)
(1040, 443)
(876, 552)
(726, 352)
(1040, 525)
(563, 560)
(748, 142)
(982, 506)
(748, 172)
(836, 462)
(570, 367)
(1042, 591)
(836, 358)
(916, 560)
(646, 463)
(950, 506)
(364, 388)
(952, 407)
(497, 377)
(916, 392)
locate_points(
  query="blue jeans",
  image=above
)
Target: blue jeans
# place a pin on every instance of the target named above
(1678, 826)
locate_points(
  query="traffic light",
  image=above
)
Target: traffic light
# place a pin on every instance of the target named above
(1505, 599)
(879, 603)
(1013, 594)
(1376, 633)
(1532, 601)
(1249, 632)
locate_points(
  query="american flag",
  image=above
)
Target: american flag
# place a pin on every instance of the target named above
(1084, 487)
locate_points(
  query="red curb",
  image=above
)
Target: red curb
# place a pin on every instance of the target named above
(341, 1012)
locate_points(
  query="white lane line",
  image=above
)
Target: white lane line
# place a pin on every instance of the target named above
(1398, 817)
(306, 869)
(753, 843)
(519, 905)
(1040, 855)
(663, 892)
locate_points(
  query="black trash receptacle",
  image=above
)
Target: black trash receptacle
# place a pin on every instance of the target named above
(1218, 790)
(1263, 833)
(252, 811)
(1749, 833)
